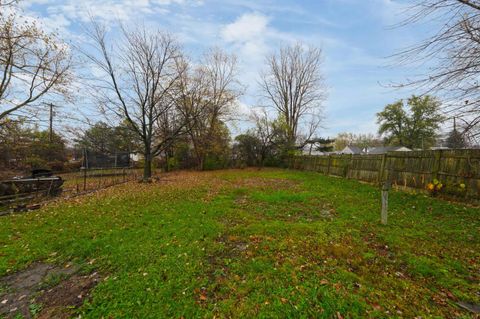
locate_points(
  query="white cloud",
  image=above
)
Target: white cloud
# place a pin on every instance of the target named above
(248, 37)
(108, 10)
(246, 28)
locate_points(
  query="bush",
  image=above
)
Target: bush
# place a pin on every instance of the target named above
(72, 166)
(34, 162)
(56, 166)
(215, 162)
(173, 164)
(434, 187)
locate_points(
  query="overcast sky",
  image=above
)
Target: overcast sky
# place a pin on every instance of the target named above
(356, 37)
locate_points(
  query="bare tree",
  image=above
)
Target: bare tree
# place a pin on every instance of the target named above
(265, 132)
(294, 86)
(209, 93)
(140, 86)
(32, 63)
(452, 56)
(7, 3)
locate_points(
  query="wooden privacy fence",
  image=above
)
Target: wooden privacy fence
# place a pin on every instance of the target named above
(457, 170)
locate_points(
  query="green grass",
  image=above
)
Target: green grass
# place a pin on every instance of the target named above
(264, 243)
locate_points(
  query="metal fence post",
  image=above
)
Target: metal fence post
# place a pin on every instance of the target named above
(84, 179)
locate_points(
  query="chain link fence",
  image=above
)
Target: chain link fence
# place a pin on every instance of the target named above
(21, 194)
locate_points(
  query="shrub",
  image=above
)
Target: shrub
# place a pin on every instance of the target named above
(72, 166)
(35, 162)
(434, 187)
(56, 166)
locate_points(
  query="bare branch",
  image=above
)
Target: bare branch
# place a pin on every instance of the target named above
(142, 73)
(32, 64)
(295, 87)
(452, 56)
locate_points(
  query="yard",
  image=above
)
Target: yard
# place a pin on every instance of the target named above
(243, 243)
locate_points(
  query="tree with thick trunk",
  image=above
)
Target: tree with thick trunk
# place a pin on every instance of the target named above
(140, 86)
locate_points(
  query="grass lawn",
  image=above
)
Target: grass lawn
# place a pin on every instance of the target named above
(264, 243)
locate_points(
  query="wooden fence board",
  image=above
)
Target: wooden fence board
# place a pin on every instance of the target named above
(453, 168)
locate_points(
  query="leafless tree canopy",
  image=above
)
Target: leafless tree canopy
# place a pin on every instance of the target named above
(207, 99)
(452, 55)
(140, 85)
(265, 132)
(32, 63)
(294, 86)
(6, 3)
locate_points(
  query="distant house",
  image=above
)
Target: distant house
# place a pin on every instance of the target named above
(385, 149)
(309, 150)
(351, 149)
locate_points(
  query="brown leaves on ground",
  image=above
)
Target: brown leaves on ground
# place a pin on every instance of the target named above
(61, 300)
(37, 287)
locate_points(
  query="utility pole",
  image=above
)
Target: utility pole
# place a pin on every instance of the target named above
(50, 136)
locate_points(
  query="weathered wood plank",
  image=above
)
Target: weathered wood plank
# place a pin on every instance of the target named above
(411, 169)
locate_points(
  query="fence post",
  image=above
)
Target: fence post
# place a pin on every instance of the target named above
(38, 186)
(84, 179)
(385, 189)
(347, 166)
(382, 168)
(329, 163)
(436, 163)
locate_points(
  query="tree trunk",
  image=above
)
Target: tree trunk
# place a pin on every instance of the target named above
(167, 158)
(147, 167)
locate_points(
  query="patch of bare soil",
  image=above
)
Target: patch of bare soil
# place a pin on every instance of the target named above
(44, 291)
(61, 300)
(267, 183)
(218, 270)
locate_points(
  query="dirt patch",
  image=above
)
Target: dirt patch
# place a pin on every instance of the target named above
(218, 271)
(307, 213)
(60, 301)
(263, 183)
(291, 212)
(380, 247)
(44, 291)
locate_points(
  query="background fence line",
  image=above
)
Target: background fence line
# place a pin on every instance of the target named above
(457, 170)
(74, 183)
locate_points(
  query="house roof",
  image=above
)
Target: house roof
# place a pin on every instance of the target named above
(385, 149)
(351, 149)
